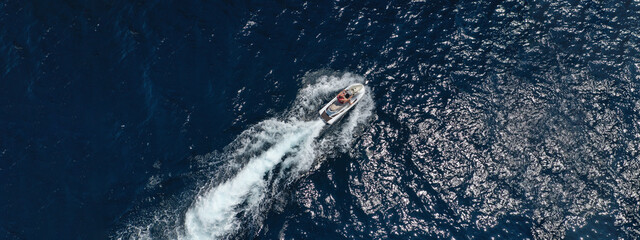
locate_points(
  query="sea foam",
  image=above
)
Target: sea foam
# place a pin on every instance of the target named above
(259, 162)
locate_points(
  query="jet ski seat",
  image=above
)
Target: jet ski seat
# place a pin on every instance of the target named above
(336, 106)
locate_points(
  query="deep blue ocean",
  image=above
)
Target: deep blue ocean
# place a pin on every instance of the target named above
(150, 119)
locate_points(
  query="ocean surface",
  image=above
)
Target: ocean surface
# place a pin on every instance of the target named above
(515, 119)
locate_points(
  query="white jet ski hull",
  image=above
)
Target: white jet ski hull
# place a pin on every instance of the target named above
(331, 113)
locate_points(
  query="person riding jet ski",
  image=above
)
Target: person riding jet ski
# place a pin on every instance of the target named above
(338, 107)
(344, 96)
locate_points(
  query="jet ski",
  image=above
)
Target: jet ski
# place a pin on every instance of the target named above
(335, 109)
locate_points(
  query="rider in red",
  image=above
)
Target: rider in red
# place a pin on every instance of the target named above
(343, 97)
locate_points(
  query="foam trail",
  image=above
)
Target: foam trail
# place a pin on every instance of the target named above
(213, 214)
(256, 165)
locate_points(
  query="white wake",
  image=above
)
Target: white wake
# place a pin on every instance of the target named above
(214, 213)
(260, 161)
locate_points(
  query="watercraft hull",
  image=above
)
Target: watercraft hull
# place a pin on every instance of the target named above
(333, 111)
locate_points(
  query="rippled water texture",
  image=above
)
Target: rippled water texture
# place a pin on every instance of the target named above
(509, 119)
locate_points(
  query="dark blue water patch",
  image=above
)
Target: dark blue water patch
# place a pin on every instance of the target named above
(600, 227)
(87, 114)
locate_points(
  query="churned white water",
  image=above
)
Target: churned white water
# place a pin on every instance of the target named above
(214, 213)
(259, 162)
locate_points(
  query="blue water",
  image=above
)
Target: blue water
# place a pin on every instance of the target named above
(198, 120)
